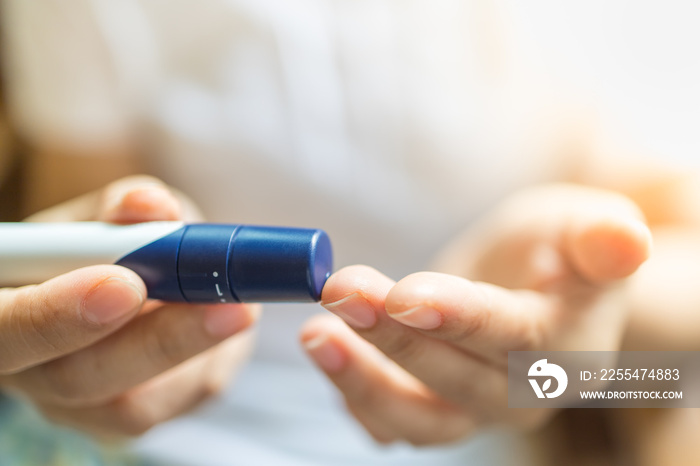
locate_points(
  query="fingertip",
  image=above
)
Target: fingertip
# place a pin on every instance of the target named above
(111, 300)
(319, 343)
(426, 300)
(110, 293)
(317, 325)
(129, 276)
(139, 199)
(360, 279)
(610, 249)
(151, 203)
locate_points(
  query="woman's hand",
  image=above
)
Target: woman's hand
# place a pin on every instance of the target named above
(90, 351)
(424, 359)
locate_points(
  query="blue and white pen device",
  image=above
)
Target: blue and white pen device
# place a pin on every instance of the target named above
(202, 263)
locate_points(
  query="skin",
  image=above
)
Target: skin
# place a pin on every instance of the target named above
(91, 352)
(536, 273)
(558, 266)
(553, 286)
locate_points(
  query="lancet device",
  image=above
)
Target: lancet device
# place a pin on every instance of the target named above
(202, 263)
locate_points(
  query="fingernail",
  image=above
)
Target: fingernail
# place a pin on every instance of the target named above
(355, 310)
(225, 320)
(325, 353)
(422, 317)
(110, 300)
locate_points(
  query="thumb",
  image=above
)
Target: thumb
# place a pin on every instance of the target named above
(606, 240)
(42, 322)
(596, 235)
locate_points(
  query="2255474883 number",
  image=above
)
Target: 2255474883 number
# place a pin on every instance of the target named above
(639, 374)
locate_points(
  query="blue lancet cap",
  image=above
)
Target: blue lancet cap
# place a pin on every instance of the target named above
(235, 263)
(279, 264)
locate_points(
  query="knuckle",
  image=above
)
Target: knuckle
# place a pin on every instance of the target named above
(476, 324)
(470, 325)
(35, 318)
(402, 348)
(41, 325)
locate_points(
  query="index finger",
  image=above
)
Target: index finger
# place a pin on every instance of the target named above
(480, 317)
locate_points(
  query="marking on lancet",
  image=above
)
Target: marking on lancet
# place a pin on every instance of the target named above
(218, 290)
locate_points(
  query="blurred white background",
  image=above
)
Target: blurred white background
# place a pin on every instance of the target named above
(641, 58)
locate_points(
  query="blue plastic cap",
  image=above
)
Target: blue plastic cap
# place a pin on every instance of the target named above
(279, 264)
(217, 263)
